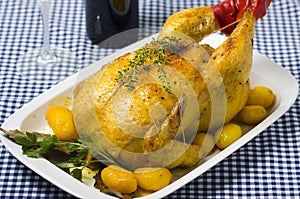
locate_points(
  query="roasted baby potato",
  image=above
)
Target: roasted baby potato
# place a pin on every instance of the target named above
(261, 95)
(205, 141)
(60, 120)
(153, 178)
(252, 114)
(228, 135)
(119, 179)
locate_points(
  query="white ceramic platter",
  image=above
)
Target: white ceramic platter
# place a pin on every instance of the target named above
(31, 117)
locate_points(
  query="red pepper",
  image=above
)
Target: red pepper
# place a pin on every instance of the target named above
(228, 11)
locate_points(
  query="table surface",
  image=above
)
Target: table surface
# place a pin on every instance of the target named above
(266, 167)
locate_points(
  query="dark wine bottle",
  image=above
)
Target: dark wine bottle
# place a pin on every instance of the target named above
(105, 18)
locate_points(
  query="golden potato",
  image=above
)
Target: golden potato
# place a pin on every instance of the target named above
(261, 95)
(153, 178)
(228, 134)
(205, 141)
(60, 120)
(119, 179)
(252, 114)
(191, 156)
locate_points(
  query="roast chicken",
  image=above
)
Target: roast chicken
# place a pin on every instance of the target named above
(145, 107)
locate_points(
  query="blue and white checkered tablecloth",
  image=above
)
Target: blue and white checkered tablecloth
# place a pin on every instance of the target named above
(266, 167)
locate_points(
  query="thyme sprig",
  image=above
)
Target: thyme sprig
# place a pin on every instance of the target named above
(152, 53)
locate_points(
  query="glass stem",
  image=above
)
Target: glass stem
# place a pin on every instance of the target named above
(46, 54)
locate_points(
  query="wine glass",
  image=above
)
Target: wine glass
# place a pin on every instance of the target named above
(46, 64)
